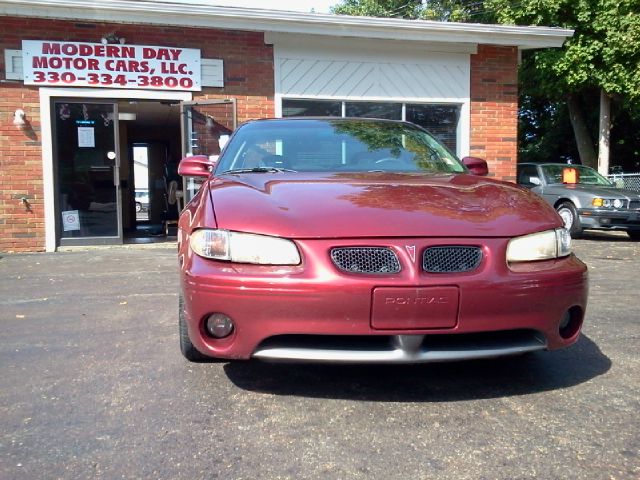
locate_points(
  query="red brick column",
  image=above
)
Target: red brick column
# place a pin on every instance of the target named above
(494, 109)
(21, 225)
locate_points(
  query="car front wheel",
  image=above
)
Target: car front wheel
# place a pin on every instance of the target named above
(186, 347)
(569, 215)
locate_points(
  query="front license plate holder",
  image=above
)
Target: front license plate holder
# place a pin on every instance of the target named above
(411, 308)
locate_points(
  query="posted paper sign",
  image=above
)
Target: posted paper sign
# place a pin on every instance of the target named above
(86, 137)
(80, 64)
(70, 220)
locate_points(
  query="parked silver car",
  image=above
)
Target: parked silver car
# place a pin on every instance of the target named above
(583, 198)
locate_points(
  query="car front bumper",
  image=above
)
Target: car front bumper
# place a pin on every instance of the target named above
(609, 220)
(314, 312)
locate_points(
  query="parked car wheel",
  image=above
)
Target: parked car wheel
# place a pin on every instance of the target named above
(138, 207)
(186, 347)
(633, 234)
(569, 215)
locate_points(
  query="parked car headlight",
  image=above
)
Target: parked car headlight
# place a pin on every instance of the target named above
(244, 247)
(607, 202)
(540, 246)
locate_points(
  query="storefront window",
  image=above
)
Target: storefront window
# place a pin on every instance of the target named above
(311, 108)
(389, 111)
(440, 119)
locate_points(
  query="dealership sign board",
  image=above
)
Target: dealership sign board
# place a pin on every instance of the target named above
(79, 64)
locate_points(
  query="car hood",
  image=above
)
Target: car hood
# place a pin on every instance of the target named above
(297, 205)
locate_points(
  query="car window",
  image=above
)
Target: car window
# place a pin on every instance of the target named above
(527, 175)
(314, 145)
(585, 175)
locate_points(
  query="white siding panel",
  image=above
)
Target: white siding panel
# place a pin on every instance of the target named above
(354, 73)
(13, 65)
(212, 73)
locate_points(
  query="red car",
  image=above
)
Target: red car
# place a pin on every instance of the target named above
(356, 240)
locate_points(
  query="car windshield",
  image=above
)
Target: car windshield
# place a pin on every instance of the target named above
(340, 145)
(585, 175)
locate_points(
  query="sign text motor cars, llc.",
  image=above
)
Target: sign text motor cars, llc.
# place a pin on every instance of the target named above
(112, 65)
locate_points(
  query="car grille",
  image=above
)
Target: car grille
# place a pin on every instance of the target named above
(377, 260)
(449, 259)
(634, 205)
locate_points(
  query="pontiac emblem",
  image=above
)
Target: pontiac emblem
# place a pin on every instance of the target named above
(411, 250)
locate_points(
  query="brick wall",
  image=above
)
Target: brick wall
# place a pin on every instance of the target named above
(248, 69)
(494, 109)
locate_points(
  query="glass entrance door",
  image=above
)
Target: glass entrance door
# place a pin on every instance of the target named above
(206, 127)
(87, 171)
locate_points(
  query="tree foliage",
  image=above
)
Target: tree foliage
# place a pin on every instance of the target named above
(378, 8)
(603, 54)
(604, 51)
(440, 10)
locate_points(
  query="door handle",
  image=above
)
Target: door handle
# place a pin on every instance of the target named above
(116, 168)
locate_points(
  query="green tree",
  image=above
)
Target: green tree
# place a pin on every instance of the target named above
(557, 84)
(378, 8)
(603, 54)
(441, 10)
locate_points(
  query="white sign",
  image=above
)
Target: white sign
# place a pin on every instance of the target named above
(76, 64)
(86, 137)
(70, 220)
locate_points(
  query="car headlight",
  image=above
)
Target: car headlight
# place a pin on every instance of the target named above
(244, 247)
(607, 202)
(540, 246)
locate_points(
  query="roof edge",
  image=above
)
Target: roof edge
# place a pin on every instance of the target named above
(177, 13)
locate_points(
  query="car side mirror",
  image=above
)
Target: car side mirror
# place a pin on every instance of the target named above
(196, 166)
(535, 181)
(477, 166)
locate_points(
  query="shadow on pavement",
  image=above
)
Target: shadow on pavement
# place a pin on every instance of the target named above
(448, 382)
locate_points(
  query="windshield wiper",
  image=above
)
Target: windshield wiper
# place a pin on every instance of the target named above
(257, 170)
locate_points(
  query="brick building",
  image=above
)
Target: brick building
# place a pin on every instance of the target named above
(100, 100)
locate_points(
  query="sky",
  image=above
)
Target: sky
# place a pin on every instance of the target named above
(320, 6)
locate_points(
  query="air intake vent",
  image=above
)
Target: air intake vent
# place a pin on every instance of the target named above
(377, 260)
(451, 259)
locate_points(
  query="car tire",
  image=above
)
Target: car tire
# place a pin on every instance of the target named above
(138, 207)
(570, 218)
(186, 347)
(634, 234)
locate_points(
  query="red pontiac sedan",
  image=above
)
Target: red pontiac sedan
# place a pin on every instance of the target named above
(367, 241)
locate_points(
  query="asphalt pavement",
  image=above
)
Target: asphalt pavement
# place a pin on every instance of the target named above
(92, 385)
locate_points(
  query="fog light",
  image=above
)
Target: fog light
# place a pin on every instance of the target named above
(571, 322)
(219, 325)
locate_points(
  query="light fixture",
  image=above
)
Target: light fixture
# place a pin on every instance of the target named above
(111, 38)
(19, 118)
(127, 116)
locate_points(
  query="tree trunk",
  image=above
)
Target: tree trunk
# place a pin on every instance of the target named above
(604, 133)
(583, 139)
